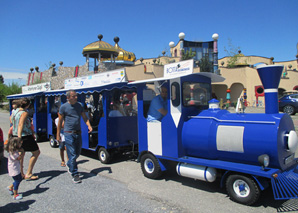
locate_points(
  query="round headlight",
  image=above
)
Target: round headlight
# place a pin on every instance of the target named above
(264, 160)
(292, 141)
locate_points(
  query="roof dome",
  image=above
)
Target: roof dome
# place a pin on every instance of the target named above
(123, 54)
(100, 46)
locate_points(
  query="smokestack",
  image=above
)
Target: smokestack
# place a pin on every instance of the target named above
(270, 77)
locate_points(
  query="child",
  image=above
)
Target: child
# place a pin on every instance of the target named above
(15, 153)
(62, 146)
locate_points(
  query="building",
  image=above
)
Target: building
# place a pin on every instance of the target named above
(241, 77)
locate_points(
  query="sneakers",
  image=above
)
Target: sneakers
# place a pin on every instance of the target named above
(10, 190)
(76, 179)
(18, 197)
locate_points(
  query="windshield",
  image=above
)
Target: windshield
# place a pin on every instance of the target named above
(196, 94)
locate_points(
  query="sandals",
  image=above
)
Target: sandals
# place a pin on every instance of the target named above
(31, 177)
(63, 164)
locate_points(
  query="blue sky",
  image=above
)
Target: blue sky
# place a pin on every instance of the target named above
(35, 32)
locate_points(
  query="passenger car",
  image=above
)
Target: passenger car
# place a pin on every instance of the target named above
(289, 104)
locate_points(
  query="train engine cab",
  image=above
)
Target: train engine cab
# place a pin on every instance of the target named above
(247, 152)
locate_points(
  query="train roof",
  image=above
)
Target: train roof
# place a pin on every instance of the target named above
(24, 95)
(214, 78)
(90, 89)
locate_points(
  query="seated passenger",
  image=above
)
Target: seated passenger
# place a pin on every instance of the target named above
(158, 106)
(115, 111)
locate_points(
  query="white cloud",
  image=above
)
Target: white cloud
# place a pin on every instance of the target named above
(14, 75)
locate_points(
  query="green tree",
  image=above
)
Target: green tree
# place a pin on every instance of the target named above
(189, 54)
(11, 89)
(1, 79)
(233, 55)
(205, 65)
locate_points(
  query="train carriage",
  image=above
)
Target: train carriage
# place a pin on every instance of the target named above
(111, 133)
(37, 112)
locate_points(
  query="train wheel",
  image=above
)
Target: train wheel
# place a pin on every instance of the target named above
(150, 166)
(242, 189)
(53, 142)
(289, 110)
(103, 155)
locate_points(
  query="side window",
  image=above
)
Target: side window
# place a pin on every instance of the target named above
(148, 95)
(175, 94)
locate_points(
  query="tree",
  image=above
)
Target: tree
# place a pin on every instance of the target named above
(11, 89)
(189, 54)
(233, 54)
(1, 79)
(205, 65)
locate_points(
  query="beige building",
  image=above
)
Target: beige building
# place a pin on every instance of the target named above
(240, 78)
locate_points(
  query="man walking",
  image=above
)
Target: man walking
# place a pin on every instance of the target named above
(71, 113)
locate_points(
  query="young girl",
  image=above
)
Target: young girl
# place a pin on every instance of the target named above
(15, 152)
(62, 146)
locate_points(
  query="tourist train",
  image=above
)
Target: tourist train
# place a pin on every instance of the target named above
(246, 152)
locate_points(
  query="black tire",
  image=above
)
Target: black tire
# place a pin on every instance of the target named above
(104, 156)
(242, 189)
(150, 166)
(53, 142)
(288, 109)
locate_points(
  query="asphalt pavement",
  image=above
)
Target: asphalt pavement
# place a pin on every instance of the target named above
(120, 187)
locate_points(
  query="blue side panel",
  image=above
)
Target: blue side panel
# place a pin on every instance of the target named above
(49, 126)
(41, 122)
(85, 135)
(142, 122)
(122, 130)
(169, 137)
(35, 124)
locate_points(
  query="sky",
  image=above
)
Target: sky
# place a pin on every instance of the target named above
(37, 32)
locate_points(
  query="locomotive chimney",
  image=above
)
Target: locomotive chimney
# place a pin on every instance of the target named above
(270, 77)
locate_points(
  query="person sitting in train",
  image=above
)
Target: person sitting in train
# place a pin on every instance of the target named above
(115, 112)
(158, 106)
(88, 112)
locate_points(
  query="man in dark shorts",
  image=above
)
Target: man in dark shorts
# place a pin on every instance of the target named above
(71, 113)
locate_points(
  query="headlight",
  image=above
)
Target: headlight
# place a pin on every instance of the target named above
(264, 160)
(292, 141)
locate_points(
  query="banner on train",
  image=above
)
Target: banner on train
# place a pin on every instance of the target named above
(36, 88)
(99, 79)
(180, 68)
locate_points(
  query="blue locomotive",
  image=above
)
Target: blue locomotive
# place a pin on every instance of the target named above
(248, 152)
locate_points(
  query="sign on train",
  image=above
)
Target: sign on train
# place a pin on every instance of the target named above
(178, 69)
(99, 79)
(36, 88)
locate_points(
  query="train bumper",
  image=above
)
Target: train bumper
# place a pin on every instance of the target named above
(285, 186)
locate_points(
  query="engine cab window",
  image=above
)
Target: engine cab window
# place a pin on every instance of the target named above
(175, 94)
(196, 94)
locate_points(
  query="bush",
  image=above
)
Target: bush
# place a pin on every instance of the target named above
(11, 89)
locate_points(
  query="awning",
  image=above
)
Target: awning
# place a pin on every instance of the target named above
(87, 90)
(26, 95)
